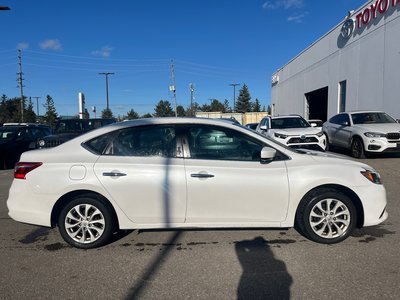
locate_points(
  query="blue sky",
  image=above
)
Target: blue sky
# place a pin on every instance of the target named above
(65, 44)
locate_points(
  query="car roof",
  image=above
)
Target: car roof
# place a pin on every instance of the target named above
(24, 125)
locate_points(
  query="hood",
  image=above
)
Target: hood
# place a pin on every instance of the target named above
(382, 127)
(333, 158)
(297, 131)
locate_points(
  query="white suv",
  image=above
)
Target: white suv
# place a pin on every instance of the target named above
(363, 132)
(293, 131)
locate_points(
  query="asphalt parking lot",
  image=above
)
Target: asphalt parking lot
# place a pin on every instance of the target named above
(35, 263)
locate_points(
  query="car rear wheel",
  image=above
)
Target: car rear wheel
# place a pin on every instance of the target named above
(357, 148)
(326, 216)
(86, 222)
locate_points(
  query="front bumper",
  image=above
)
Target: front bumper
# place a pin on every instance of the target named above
(379, 145)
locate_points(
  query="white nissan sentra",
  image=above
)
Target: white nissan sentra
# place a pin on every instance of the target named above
(190, 173)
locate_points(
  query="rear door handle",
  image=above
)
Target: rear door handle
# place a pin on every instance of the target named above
(201, 175)
(114, 174)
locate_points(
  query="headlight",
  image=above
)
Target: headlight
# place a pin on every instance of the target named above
(372, 176)
(279, 135)
(374, 134)
(319, 134)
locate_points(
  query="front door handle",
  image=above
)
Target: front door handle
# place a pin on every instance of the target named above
(201, 175)
(114, 174)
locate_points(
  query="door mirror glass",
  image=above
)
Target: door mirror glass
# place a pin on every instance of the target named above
(264, 127)
(267, 154)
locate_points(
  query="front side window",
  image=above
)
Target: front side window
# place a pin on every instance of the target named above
(219, 143)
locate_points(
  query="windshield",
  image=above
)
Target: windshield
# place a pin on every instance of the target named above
(7, 133)
(372, 118)
(286, 123)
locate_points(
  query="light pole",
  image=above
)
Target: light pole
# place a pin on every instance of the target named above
(106, 74)
(234, 95)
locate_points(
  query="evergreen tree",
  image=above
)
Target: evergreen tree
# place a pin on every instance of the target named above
(29, 114)
(163, 109)
(107, 114)
(145, 116)
(256, 106)
(180, 111)
(243, 103)
(227, 108)
(131, 115)
(50, 117)
(205, 108)
(216, 105)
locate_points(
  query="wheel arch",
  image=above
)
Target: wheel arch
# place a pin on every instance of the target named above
(344, 190)
(62, 201)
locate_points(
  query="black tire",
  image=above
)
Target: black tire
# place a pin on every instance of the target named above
(86, 222)
(326, 216)
(357, 148)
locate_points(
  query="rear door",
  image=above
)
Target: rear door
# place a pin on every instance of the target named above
(143, 176)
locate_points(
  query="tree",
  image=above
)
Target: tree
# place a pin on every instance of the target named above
(163, 109)
(243, 103)
(29, 114)
(180, 111)
(257, 106)
(131, 115)
(205, 108)
(216, 105)
(269, 110)
(9, 110)
(145, 116)
(107, 114)
(227, 108)
(50, 117)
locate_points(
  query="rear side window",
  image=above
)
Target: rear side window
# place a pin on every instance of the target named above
(136, 141)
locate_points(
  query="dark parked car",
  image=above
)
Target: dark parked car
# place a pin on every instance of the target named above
(67, 129)
(16, 138)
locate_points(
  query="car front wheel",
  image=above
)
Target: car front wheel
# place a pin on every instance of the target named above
(86, 222)
(357, 148)
(326, 216)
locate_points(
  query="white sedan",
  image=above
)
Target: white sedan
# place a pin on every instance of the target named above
(190, 173)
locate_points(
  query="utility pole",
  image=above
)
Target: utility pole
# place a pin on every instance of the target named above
(106, 74)
(20, 79)
(172, 87)
(191, 88)
(37, 105)
(234, 95)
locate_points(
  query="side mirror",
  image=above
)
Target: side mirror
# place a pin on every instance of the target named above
(398, 120)
(264, 127)
(345, 123)
(267, 155)
(313, 124)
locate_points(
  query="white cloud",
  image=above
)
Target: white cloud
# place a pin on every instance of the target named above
(297, 18)
(54, 45)
(103, 52)
(285, 4)
(23, 46)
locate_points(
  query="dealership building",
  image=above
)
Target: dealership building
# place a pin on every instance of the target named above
(355, 66)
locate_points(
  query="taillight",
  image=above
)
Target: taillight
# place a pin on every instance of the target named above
(23, 168)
